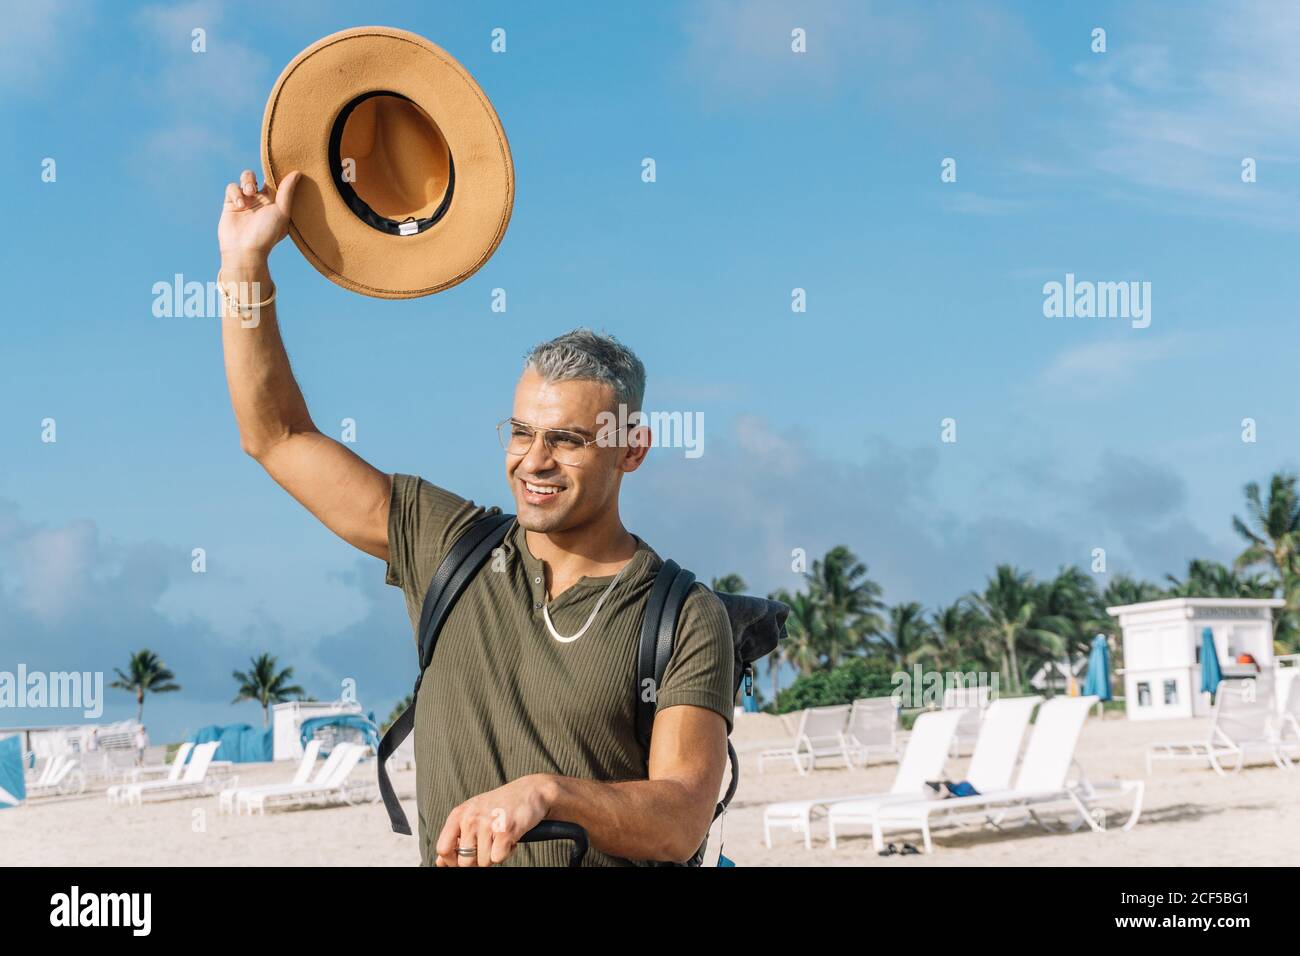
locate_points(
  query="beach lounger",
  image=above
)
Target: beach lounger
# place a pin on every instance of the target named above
(820, 733)
(48, 769)
(335, 788)
(116, 793)
(194, 781)
(65, 777)
(992, 765)
(170, 771)
(972, 701)
(873, 729)
(927, 750)
(229, 798)
(1042, 784)
(1245, 721)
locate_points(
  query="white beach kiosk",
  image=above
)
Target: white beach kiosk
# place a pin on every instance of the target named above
(1162, 649)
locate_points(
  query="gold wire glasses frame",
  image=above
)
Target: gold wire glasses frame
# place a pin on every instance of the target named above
(566, 447)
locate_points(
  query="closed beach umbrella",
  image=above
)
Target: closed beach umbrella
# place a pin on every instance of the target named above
(1210, 672)
(1098, 680)
(12, 786)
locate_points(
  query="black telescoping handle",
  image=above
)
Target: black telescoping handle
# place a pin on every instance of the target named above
(560, 830)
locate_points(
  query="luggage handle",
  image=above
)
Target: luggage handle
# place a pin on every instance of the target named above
(560, 830)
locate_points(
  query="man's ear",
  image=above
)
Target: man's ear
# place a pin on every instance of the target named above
(638, 446)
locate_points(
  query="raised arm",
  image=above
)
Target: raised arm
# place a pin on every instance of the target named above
(348, 495)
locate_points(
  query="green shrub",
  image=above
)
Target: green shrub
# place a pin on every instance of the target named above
(843, 684)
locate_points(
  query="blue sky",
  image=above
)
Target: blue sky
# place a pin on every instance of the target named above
(774, 171)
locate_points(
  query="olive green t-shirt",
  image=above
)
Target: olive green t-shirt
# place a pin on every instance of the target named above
(502, 698)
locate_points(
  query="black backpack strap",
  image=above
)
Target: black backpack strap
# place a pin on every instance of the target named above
(457, 569)
(658, 627)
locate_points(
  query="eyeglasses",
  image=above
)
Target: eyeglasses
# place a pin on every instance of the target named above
(566, 447)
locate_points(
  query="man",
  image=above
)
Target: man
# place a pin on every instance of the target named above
(527, 712)
(141, 745)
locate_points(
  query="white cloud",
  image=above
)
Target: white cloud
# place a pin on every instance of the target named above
(35, 41)
(1106, 363)
(1175, 118)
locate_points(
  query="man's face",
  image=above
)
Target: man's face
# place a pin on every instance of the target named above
(554, 496)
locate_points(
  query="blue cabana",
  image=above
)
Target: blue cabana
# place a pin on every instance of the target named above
(336, 727)
(240, 743)
(13, 788)
(1211, 674)
(1097, 683)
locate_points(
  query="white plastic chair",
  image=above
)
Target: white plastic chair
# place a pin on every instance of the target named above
(927, 750)
(1042, 783)
(1245, 721)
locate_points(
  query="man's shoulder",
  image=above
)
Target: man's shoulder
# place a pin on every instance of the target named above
(424, 519)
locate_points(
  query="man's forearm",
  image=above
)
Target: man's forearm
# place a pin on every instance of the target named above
(662, 820)
(267, 401)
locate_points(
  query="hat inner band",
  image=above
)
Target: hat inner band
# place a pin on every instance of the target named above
(408, 226)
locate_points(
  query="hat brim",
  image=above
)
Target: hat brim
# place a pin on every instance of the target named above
(300, 115)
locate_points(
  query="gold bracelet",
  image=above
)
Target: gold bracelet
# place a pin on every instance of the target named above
(243, 308)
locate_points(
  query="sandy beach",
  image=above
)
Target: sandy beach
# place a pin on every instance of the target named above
(1191, 816)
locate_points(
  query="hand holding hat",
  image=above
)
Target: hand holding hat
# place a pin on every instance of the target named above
(253, 220)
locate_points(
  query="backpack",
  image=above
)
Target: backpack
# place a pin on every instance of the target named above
(757, 626)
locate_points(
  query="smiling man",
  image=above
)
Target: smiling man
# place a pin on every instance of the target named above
(527, 711)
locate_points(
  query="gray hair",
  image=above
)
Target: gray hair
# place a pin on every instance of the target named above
(582, 354)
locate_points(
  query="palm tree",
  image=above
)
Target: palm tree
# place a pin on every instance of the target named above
(909, 633)
(956, 638)
(263, 684)
(400, 709)
(145, 674)
(1272, 533)
(1122, 590)
(1071, 607)
(1008, 605)
(805, 633)
(1272, 528)
(848, 601)
(1212, 579)
(729, 584)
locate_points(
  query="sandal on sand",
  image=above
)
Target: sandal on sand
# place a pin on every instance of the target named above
(908, 849)
(889, 850)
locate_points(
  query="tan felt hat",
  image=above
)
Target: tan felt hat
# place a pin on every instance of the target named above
(407, 182)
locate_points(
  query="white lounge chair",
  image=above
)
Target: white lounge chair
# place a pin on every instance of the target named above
(992, 765)
(927, 750)
(1287, 684)
(820, 733)
(972, 701)
(48, 769)
(335, 788)
(194, 781)
(229, 798)
(873, 729)
(65, 778)
(174, 770)
(1245, 721)
(1041, 784)
(169, 771)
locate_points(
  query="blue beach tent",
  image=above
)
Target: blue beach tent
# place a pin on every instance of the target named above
(240, 743)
